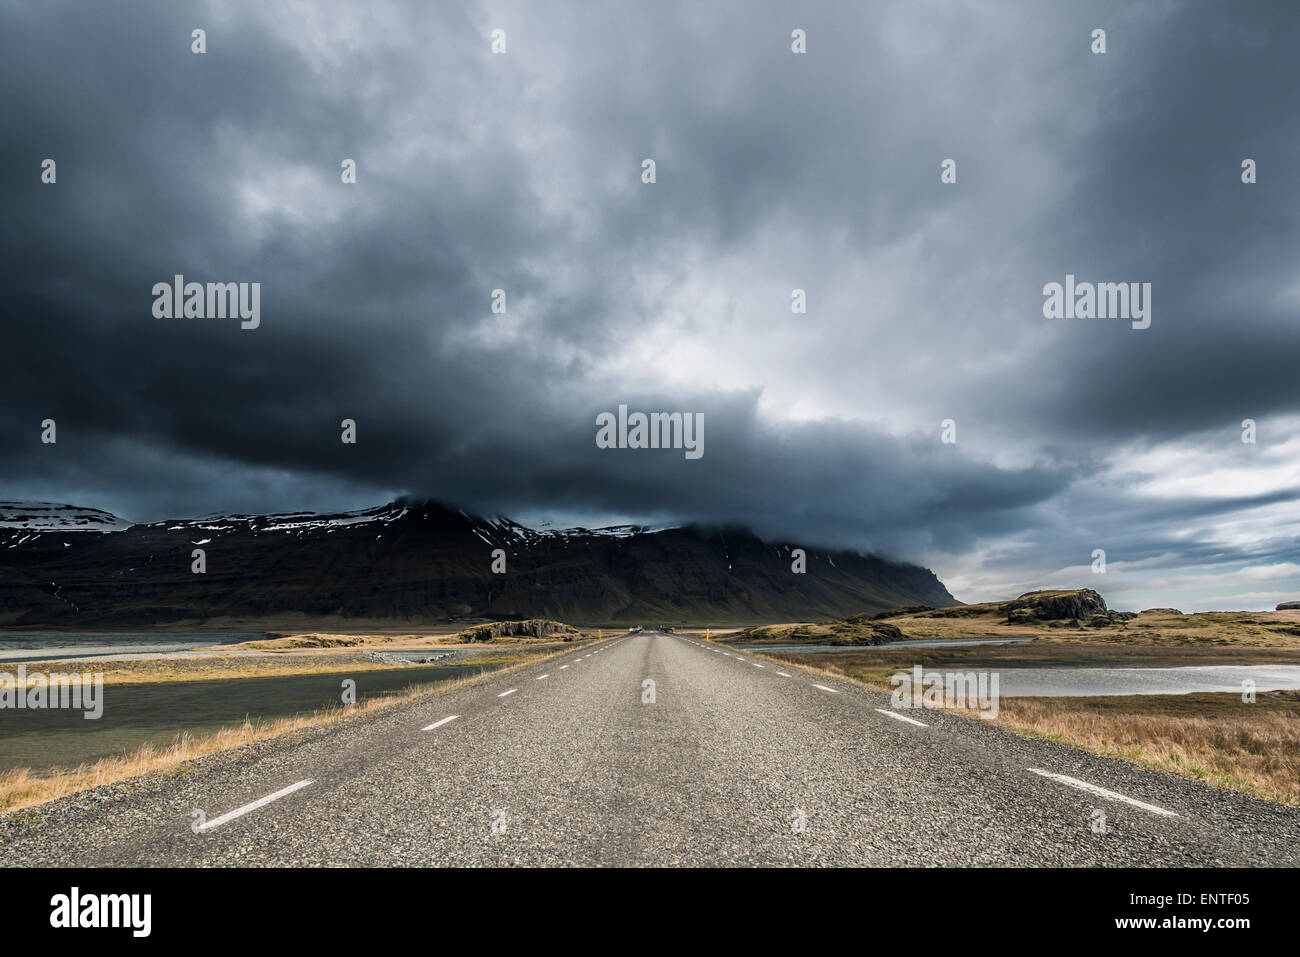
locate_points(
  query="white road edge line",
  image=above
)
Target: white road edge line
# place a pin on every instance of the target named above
(504, 693)
(824, 688)
(260, 802)
(900, 717)
(439, 724)
(1103, 793)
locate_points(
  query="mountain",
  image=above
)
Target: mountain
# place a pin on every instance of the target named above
(51, 517)
(413, 562)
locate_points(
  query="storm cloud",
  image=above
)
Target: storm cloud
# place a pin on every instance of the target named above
(775, 171)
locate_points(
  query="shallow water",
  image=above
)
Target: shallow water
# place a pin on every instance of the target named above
(917, 643)
(156, 713)
(1078, 682)
(115, 647)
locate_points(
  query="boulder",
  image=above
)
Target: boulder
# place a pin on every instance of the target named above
(1054, 605)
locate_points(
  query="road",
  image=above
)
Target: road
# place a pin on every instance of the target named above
(736, 761)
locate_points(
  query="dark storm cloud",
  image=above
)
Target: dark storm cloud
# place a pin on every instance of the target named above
(521, 172)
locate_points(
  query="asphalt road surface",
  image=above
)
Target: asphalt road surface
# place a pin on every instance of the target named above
(735, 761)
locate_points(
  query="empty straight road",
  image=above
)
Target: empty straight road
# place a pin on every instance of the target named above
(733, 760)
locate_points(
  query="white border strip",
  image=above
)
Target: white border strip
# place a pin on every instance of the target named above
(1103, 793)
(241, 811)
(900, 717)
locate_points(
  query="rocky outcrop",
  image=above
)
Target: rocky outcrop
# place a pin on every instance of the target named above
(1040, 606)
(1288, 606)
(856, 630)
(861, 630)
(532, 628)
(1109, 619)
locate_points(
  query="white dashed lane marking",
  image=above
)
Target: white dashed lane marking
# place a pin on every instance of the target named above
(900, 717)
(540, 677)
(824, 688)
(439, 724)
(1103, 793)
(504, 693)
(260, 802)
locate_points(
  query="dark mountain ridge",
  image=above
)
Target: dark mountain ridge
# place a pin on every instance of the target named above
(412, 562)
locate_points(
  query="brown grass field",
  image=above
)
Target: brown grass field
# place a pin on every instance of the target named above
(1218, 738)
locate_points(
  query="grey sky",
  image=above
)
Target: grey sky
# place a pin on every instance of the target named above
(775, 171)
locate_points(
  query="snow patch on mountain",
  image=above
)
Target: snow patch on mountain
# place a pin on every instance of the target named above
(289, 522)
(55, 517)
(36, 518)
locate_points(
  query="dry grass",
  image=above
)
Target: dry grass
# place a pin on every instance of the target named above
(304, 659)
(723, 631)
(1267, 629)
(1257, 750)
(874, 665)
(333, 640)
(20, 788)
(330, 640)
(1252, 748)
(812, 665)
(225, 667)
